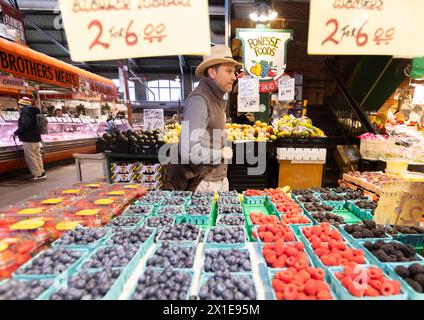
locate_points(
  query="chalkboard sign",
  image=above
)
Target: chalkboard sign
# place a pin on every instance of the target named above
(153, 119)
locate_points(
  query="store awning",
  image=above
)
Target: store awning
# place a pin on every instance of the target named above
(30, 64)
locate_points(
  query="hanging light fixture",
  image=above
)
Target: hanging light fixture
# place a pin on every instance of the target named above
(263, 13)
(177, 79)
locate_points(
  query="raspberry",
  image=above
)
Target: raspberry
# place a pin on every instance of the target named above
(304, 275)
(354, 291)
(290, 261)
(371, 292)
(376, 284)
(319, 252)
(348, 254)
(325, 238)
(310, 288)
(307, 232)
(279, 295)
(268, 246)
(317, 274)
(316, 244)
(289, 237)
(321, 285)
(301, 296)
(300, 246)
(279, 249)
(341, 246)
(301, 264)
(285, 276)
(270, 257)
(387, 289)
(291, 251)
(278, 285)
(267, 237)
(375, 273)
(299, 285)
(396, 286)
(280, 262)
(324, 295)
(289, 292)
(359, 259)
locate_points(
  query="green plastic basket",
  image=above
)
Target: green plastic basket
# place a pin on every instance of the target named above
(348, 217)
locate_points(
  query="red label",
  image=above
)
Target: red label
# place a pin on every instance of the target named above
(12, 18)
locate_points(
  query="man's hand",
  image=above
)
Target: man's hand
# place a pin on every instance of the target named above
(226, 153)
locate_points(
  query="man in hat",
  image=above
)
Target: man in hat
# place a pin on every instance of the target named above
(27, 133)
(203, 138)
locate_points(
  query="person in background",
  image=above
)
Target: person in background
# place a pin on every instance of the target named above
(58, 113)
(204, 111)
(30, 137)
(111, 126)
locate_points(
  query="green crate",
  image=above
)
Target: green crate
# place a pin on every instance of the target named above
(247, 209)
(348, 216)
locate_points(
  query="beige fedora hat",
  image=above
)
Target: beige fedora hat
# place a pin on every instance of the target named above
(219, 54)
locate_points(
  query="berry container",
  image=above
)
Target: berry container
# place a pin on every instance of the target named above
(244, 275)
(253, 200)
(363, 214)
(416, 240)
(203, 258)
(214, 245)
(355, 241)
(153, 252)
(179, 211)
(385, 265)
(343, 294)
(182, 242)
(335, 204)
(220, 222)
(92, 246)
(255, 231)
(188, 297)
(182, 194)
(272, 272)
(412, 294)
(347, 216)
(311, 263)
(48, 291)
(149, 210)
(68, 272)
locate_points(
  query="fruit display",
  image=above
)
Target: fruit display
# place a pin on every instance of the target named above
(172, 256)
(230, 209)
(290, 126)
(180, 232)
(327, 243)
(151, 200)
(302, 192)
(51, 262)
(233, 260)
(157, 193)
(201, 201)
(170, 210)
(328, 217)
(285, 255)
(272, 232)
(355, 195)
(81, 236)
(126, 237)
(171, 133)
(202, 210)
(331, 197)
(413, 275)
(224, 194)
(367, 229)
(88, 286)
(320, 190)
(229, 200)
(288, 206)
(205, 194)
(317, 207)
(159, 222)
(111, 257)
(260, 131)
(230, 220)
(308, 198)
(353, 279)
(341, 190)
(137, 138)
(227, 286)
(260, 218)
(93, 216)
(23, 290)
(226, 235)
(370, 180)
(391, 251)
(366, 204)
(301, 284)
(135, 209)
(167, 284)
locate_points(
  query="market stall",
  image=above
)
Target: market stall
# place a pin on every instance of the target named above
(37, 75)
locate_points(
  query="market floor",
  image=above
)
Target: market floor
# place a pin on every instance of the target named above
(21, 187)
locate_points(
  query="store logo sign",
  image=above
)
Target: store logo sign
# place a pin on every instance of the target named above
(264, 52)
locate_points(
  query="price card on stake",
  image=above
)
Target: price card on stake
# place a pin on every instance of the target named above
(248, 104)
(153, 119)
(377, 27)
(286, 89)
(248, 87)
(118, 29)
(418, 95)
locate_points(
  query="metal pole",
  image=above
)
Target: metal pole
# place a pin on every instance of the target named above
(127, 94)
(228, 23)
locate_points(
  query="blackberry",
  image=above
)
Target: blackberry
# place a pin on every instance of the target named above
(414, 285)
(367, 233)
(370, 246)
(408, 250)
(348, 228)
(370, 224)
(420, 279)
(416, 269)
(357, 234)
(402, 272)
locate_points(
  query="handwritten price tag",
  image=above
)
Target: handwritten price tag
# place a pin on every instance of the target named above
(248, 87)
(366, 27)
(286, 89)
(108, 30)
(153, 119)
(248, 104)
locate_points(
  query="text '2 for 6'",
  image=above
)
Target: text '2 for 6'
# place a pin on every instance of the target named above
(103, 38)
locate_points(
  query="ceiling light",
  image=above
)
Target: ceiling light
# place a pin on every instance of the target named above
(263, 13)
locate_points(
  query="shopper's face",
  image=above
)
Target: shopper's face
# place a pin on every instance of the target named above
(224, 76)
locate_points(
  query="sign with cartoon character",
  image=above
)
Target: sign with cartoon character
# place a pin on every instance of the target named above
(265, 55)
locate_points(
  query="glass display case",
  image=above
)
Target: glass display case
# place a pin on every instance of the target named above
(8, 125)
(68, 129)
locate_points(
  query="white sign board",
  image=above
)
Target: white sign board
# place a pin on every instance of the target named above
(248, 104)
(119, 29)
(418, 95)
(248, 87)
(286, 89)
(378, 27)
(153, 119)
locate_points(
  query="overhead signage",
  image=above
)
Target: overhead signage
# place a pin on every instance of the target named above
(107, 30)
(12, 83)
(265, 54)
(366, 27)
(13, 18)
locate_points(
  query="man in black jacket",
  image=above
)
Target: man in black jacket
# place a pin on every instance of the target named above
(29, 135)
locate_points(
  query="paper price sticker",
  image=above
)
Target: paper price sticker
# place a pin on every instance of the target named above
(286, 89)
(88, 212)
(29, 224)
(52, 201)
(67, 225)
(71, 191)
(30, 211)
(117, 193)
(3, 246)
(153, 119)
(109, 30)
(248, 104)
(131, 186)
(248, 87)
(104, 202)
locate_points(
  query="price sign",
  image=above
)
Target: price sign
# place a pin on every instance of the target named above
(248, 104)
(418, 95)
(377, 27)
(153, 119)
(286, 89)
(119, 29)
(248, 87)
